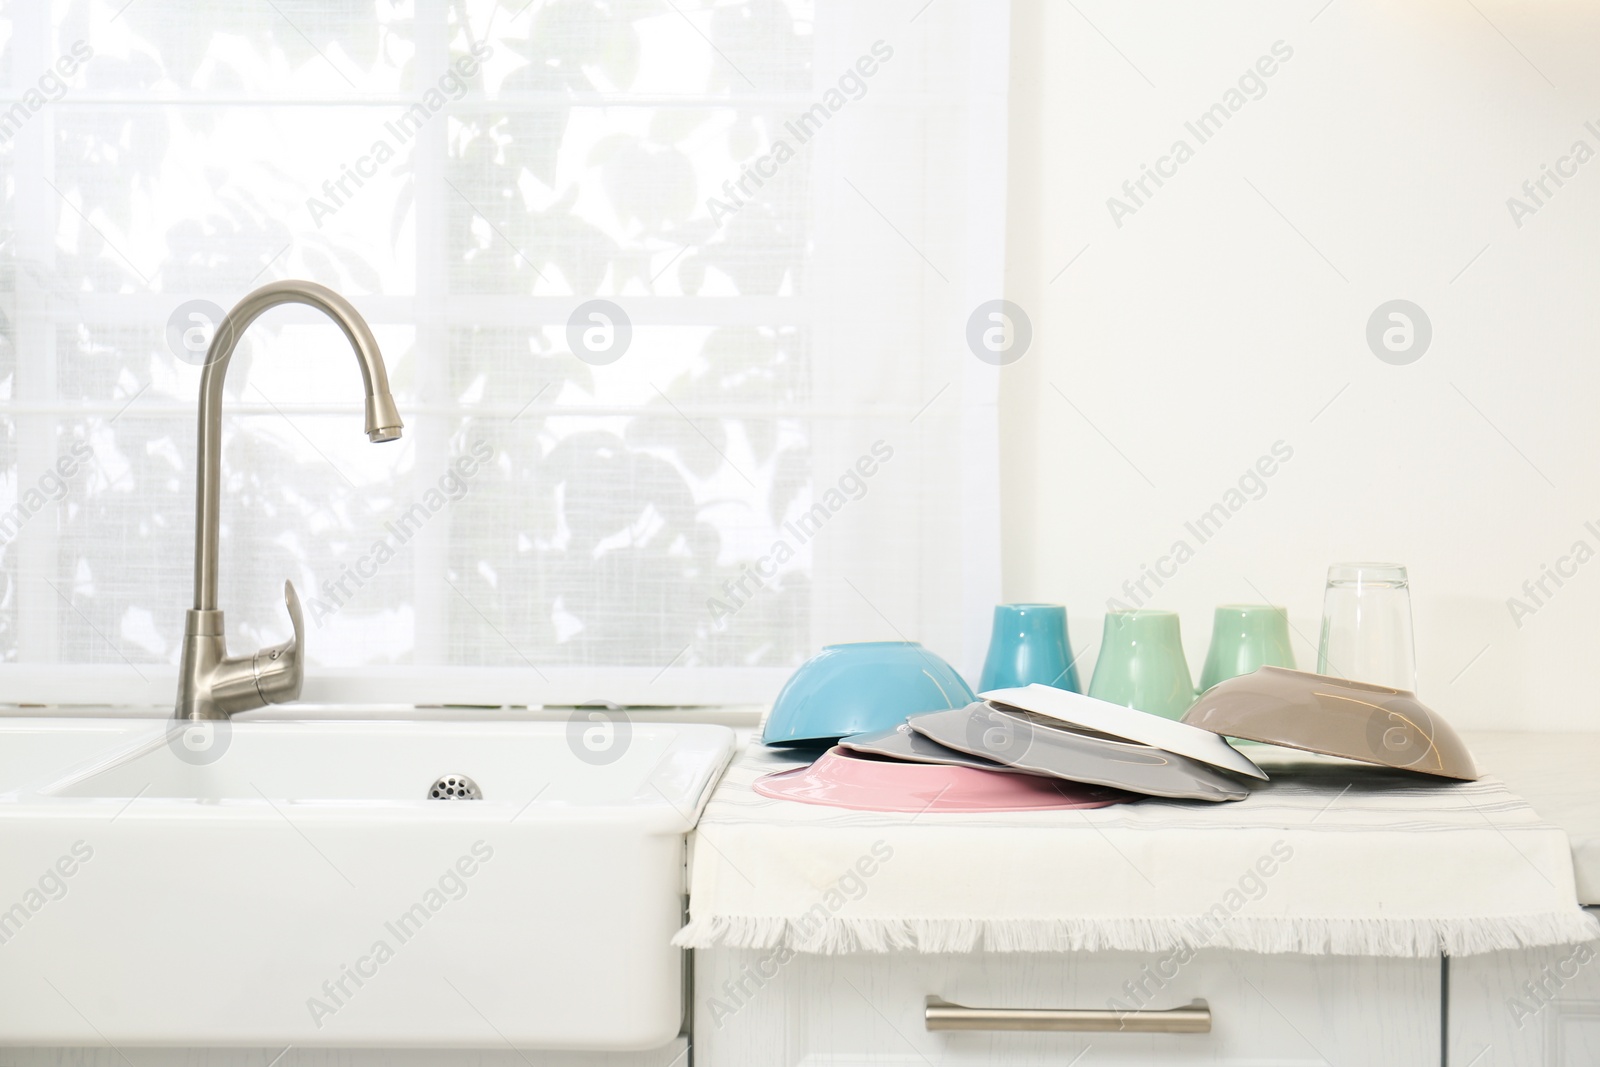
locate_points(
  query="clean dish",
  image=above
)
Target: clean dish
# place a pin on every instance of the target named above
(904, 743)
(1019, 740)
(1029, 644)
(1127, 724)
(1141, 664)
(1366, 625)
(859, 688)
(1335, 717)
(842, 779)
(1244, 637)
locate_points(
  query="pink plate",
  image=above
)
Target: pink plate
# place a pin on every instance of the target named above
(844, 779)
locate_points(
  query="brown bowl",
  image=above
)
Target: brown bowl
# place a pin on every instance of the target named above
(1334, 717)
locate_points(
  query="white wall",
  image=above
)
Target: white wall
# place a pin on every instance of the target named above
(1206, 327)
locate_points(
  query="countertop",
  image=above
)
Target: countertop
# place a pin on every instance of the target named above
(1559, 774)
(1384, 863)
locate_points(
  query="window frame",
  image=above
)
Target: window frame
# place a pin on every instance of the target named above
(37, 677)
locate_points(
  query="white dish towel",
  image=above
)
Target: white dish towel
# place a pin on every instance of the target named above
(1329, 857)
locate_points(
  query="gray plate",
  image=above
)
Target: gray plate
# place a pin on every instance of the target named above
(1020, 741)
(904, 743)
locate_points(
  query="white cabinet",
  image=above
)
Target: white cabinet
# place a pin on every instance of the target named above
(760, 1009)
(1538, 1008)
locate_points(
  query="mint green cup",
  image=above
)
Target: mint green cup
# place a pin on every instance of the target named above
(1245, 637)
(1141, 664)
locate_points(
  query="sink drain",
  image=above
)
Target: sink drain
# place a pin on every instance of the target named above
(455, 787)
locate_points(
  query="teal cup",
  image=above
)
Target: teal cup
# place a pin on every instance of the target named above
(1245, 637)
(1029, 644)
(1141, 664)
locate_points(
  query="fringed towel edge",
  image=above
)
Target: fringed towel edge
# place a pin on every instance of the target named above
(1414, 938)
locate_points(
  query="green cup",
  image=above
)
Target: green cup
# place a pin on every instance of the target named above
(1141, 664)
(1244, 637)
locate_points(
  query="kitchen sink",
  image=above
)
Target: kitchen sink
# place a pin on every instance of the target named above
(38, 750)
(297, 883)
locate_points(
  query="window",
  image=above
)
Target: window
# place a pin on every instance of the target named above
(775, 437)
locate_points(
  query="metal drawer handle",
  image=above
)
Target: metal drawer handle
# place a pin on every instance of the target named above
(940, 1014)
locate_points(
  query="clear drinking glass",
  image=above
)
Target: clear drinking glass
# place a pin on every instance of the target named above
(1366, 625)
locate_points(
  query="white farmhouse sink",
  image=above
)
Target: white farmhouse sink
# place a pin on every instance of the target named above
(38, 750)
(300, 890)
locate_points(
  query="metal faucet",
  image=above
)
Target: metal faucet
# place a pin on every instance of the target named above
(211, 683)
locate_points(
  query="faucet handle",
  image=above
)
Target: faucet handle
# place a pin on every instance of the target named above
(291, 601)
(279, 669)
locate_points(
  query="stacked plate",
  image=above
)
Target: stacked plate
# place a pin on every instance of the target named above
(863, 780)
(1041, 747)
(1019, 749)
(1044, 730)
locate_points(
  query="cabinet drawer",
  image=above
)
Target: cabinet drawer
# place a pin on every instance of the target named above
(766, 1009)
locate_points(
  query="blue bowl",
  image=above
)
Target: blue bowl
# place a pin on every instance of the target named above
(858, 688)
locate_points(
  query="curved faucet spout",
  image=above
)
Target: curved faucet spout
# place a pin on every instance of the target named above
(383, 420)
(212, 684)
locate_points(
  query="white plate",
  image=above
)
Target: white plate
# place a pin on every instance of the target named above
(1131, 724)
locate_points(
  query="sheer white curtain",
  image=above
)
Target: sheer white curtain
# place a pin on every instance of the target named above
(776, 435)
